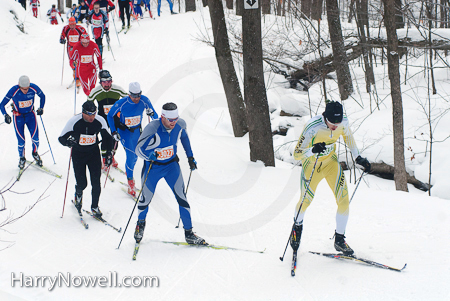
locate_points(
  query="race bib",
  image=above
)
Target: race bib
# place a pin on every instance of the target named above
(53, 14)
(73, 38)
(165, 153)
(86, 59)
(97, 22)
(132, 121)
(106, 109)
(83, 11)
(87, 139)
(25, 103)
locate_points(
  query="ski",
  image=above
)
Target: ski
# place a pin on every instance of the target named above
(126, 191)
(128, 28)
(71, 85)
(44, 169)
(294, 263)
(216, 247)
(85, 225)
(120, 170)
(100, 219)
(358, 259)
(108, 175)
(136, 250)
(21, 170)
(126, 185)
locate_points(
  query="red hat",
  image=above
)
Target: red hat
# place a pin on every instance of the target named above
(72, 21)
(85, 38)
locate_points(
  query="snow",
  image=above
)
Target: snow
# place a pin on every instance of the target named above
(234, 202)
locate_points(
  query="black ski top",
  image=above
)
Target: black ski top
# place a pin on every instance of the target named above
(86, 133)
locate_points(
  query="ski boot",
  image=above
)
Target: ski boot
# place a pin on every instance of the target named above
(193, 239)
(296, 235)
(37, 158)
(123, 27)
(340, 245)
(96, 212)
(173, 13)
(114, 163)
(22, 162)
(78, 201)
(139, 232)
(131, 188)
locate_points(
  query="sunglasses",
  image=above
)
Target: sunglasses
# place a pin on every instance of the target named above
(89, 113)
(106, 81)
(172, 119)
(135, 95)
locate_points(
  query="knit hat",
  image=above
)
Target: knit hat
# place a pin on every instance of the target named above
(89, 107)
(333, 112)
(135, 89)
(24, 81)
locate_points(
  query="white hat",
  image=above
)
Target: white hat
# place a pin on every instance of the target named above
(24, 81)
(134, 88)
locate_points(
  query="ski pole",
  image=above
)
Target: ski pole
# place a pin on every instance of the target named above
(110, 48)
(67, 182)
(137, 200)
(109, 167)
(117, 34)
(62, 72)
(51, 152)
(185, 193)
(357, 185)
(75, 90)
(300, 208)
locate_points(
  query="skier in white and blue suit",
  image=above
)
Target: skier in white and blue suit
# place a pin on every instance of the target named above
(158, 144)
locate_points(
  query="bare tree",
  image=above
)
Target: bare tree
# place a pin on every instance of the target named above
(265, 6)
(306, 8)
(230, 4)
(340, 58)
(396, 95)
(190, 5)
(316, 10)
(258, 119)
(226, 68)
(239, 7)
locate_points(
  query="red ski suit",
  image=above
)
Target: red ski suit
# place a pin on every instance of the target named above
(73, 37)
(86, 69)
(34, 5)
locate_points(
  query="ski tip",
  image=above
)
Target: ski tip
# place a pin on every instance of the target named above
(281, 258)
(120, 230)
(404, 267)
(292, 273)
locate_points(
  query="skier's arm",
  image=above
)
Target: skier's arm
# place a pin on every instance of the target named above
(111, 6)
(185, 138)
(110, 117)
(303, 149)
(40, 94)
(143, 147)
(68, 131)
(107, 140)
(348, 138)
(5, 101)
(148, 106)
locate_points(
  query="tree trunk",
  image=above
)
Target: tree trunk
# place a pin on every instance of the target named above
(399, 22)
(190, 5)
(60, 5)
(443, 10)
(316, 10)
(265, 6)
(306, 8)
(396, 94)
(69, 3)
(239, 7)
(361, 15)
(258, 119)
(230, 4)
(226, 68)
(337, 42)
(205, 3)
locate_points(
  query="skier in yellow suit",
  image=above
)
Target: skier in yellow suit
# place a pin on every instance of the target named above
(318, 139)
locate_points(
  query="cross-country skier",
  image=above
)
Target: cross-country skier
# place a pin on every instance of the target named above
(129, 127)
(22, 96)
(170, 6)
(83, 57)
(106, 94)
(83, 10)
(100, 24)
(81, 134)
(72, 12)
(147, 7)
(137, 8)
(157, 145)
(34, 6)
(318, 139)
(124, 9)
(105, 5)
(72, 33)
(52, 13)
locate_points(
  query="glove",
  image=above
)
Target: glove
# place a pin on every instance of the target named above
(40, 111)
(110, 9)
(318, 148)
(122, 126)
(62, 19)
(153, 156)
(107, 31)
(108, 159)
(192, 163)
(150, 112)
(71, 142)
(62, 41)
(116, 136)
(364, 163)
(7, 119)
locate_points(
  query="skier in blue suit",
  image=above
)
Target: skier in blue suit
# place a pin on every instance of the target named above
(170, 6)
(129, 128)
(22, 96)
(157, 145)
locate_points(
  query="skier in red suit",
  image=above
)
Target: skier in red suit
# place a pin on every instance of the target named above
(83, 55)
(72, 33)
(52, 14)
(34, 5)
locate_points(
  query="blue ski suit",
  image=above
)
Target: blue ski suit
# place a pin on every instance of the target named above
(156, 137)
(130, 126)
(23, 114)
(159, 6)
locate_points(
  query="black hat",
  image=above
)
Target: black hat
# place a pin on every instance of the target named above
(333, 112)
(89, 108)
(104, 75)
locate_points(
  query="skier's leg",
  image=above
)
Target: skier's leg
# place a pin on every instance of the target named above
(148, 188)
(33, 128)
(19, 127)
(94, 164)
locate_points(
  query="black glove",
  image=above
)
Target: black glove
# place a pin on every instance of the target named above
(40, 111)
(364, 163)
(62, 41)
(192, 163)
(7, 119)
(108, 159)
(71, 142)
(319, 148)
(110, 9)
(122, 126)
(116, 136)
(150, 112)
(107, 31)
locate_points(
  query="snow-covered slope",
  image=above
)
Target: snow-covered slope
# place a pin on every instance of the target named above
(234, 202)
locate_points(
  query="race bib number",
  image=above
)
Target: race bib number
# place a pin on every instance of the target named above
(106, 109)
(83, 11)
(97, 22)
(73, 38)
(86, 59)
(53, 14)
(87, 139)
(165, 153)
(132, 121)
(25, 103)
